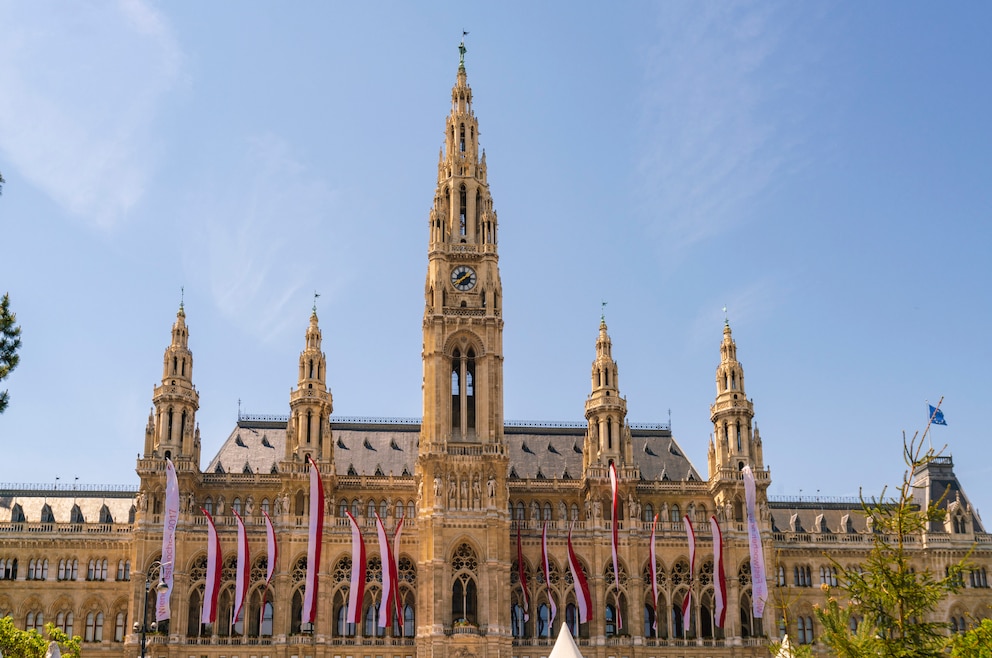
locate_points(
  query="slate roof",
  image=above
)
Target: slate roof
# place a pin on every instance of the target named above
(31, 500)
(389, 447)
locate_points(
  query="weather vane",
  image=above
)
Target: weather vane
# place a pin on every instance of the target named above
(461, 49)
(602, 311)
(726, 318)
(182, 296)
(315, 296)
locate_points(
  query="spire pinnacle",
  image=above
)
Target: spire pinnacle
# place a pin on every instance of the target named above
(182, 297)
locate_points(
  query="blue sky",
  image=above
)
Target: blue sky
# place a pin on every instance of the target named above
(821, 169)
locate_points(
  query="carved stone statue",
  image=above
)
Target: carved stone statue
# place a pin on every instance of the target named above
(437, 485)
(491, 485)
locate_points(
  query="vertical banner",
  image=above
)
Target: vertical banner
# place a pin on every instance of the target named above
(522, 576)
(759, 586)
(654, 573)
(616, 541)
(395, 570)
(162, 611)
(719, 576)
(356, 590)
(547, 574)
(271, 557)
(687, 602)
(212, 588)
(582, 597)
(314, 540)
(242, 578)
(388, 600)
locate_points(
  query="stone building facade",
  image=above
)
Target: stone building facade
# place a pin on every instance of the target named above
(467, 483)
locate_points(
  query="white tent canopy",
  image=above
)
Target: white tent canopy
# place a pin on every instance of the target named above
(565, 645)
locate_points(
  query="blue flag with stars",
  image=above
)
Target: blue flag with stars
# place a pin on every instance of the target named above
(936, 416)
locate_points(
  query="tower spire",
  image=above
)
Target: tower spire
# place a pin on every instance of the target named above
(608, 434)
(175, 401)
(736, 442)
(308, 431)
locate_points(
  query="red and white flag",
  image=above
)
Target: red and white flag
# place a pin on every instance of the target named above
(212, 589)
(616, 541)
(271, 556)
(759, 586)
(719, 577)
(654, 572)
(582, 596)
(388, 600)
(314, 540)
(522, 576)
(687, 602)
(547, 574)
(242, 580)
(169, 523)
(356, 591)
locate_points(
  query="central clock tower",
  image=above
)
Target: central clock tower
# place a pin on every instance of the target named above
(463, 524)
(463, 326)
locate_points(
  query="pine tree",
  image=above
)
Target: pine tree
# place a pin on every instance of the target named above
(10, 341)
(892, 602)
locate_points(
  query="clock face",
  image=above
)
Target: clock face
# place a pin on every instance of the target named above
(463, 278)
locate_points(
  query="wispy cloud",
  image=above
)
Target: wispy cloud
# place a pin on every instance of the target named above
(259, 237)
(81, 84)
(712, 141)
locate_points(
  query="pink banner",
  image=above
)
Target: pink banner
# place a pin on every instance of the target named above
(169, 523)
(212, 588)
(388, 599)
(654, 573)
(687, 602)
(522, 575)
(582, 597)
(547, 574)
(759, 586)
(314, 541)
(271, 557)
(719, 576)
(244, 564)
(356, 591)
(395, 567)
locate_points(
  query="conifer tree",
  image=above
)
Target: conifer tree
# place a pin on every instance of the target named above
(10, 341)
(892, 602)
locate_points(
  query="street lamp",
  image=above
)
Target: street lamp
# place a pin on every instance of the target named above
(162, 586)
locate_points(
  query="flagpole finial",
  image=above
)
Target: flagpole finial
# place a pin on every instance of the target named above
(182, 296)
(726, 318)
(602, 311)
(315, 296)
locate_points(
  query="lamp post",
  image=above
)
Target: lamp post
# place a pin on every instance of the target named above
(144, 627)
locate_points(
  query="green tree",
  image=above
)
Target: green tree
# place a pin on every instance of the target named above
(10, 342)
(976, 643)
(32, 644)
(893, 602)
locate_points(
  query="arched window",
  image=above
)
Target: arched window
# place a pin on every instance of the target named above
(94, 627)
(236, 505)
(410, 509)
(611, 620)
(64, 621)
(547, 511)
(464, 594)
(517, 620)
(370, 509)
(520, 513)
(572, 619)
(676, 514)
(648, 513)
(543, 620)
(383, 508)
(649, 630)
(119, 623)
(574, 512)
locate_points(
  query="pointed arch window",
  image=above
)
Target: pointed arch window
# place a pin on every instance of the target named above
(461, 139)
(464, 592)
(463, 396)
(739, 446)
(462, 210)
